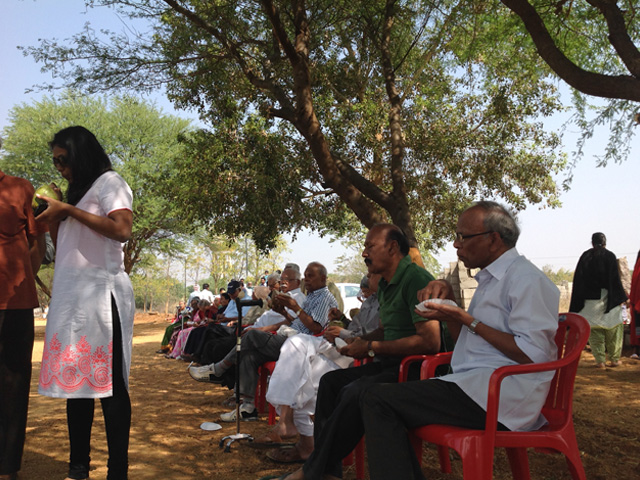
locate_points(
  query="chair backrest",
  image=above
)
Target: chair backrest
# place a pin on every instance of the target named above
(571, 338)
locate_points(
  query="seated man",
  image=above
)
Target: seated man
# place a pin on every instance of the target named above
(222, 338)
(338, 427)
(260, 345)
(512, 319)
(303, 360)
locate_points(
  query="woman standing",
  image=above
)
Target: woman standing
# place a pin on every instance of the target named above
(597, 294)
(87, 351)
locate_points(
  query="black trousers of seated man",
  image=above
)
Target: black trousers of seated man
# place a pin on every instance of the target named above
(388, 411)
(339, 425)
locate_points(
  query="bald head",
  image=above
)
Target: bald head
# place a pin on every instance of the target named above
(315, 276)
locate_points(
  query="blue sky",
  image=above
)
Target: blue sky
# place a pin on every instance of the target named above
(600, 199)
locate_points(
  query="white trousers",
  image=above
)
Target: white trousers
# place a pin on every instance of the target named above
(296, 376)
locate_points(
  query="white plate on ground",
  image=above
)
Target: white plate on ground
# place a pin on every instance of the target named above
(210, 426)
(444, 301)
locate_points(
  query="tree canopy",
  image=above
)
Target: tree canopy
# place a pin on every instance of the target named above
(593, 46)
(320, 111)
(141, 142)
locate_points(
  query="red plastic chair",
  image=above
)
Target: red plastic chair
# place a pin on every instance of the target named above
(264, 372)
(476, 447)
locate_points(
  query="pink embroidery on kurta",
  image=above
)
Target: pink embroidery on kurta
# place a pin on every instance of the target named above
(76, 366)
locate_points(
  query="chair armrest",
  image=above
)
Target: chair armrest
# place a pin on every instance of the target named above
(495, 382)
(427, 360)
(432, 362)
(407, 361)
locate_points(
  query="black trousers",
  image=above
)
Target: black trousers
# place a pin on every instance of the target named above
(207, 343)
(389, 410)
(117, 418)
(16, 346)
(338, 423)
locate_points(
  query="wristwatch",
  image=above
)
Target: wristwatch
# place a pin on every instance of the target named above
(371, 353)
(472, 326)
(298, 312)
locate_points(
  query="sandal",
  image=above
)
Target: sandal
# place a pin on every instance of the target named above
(271, 440)
(285, 455)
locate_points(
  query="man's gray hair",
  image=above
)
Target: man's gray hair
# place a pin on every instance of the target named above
(274, 277)
(501, 220)
(295, 268)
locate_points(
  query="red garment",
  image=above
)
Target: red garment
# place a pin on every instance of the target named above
(634, 299)
(17, 226)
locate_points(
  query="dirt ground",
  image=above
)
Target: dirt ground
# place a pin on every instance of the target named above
(168, 408)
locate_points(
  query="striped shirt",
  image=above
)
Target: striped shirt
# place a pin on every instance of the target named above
(317, 306)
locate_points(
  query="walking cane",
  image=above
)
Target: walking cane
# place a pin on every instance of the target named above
(238, 436)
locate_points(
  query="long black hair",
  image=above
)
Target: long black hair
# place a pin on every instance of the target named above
(85, 157)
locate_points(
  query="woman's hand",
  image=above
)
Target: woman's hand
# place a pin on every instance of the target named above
(55, 211)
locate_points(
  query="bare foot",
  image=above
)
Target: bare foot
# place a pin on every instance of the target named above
(601, 366)
(616, 363)
(305, 446)
(284, 431)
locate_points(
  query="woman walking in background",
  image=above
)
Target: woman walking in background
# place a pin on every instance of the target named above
(87, 351)
(597, 295)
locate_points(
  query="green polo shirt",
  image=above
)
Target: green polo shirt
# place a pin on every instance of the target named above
(399, 297)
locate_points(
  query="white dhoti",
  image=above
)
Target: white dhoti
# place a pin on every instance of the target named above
(303, 360)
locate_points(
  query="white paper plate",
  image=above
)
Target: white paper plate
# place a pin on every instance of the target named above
(210, 426)
(443, 301)
(340, 342)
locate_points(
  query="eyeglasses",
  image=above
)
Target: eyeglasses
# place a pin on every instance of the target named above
(461, 238)
(60, 161)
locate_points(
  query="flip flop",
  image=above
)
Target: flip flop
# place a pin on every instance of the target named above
(285, 455)
(275, 477)
(271, 440)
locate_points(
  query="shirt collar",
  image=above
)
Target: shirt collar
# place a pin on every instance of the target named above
(397, 275)
(317, 292)
(500, 265)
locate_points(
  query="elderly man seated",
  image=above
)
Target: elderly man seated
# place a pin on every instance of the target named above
(402, 332)
(260, 345)
(303, 360)
(222, 339)
(512, 320)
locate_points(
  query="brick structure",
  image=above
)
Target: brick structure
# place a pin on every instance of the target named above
(462, 281)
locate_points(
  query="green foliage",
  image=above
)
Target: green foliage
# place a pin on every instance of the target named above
(558, 277)
(338, 112)
(593, 46)
(141, 142)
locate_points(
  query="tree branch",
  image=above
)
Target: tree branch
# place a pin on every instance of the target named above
(618, 35)
(606, 86)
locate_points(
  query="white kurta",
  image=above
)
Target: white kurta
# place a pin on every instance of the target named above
(89, 269)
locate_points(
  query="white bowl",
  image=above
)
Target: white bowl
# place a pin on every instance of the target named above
(443, 301)
(210, 426)
(340, 342)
